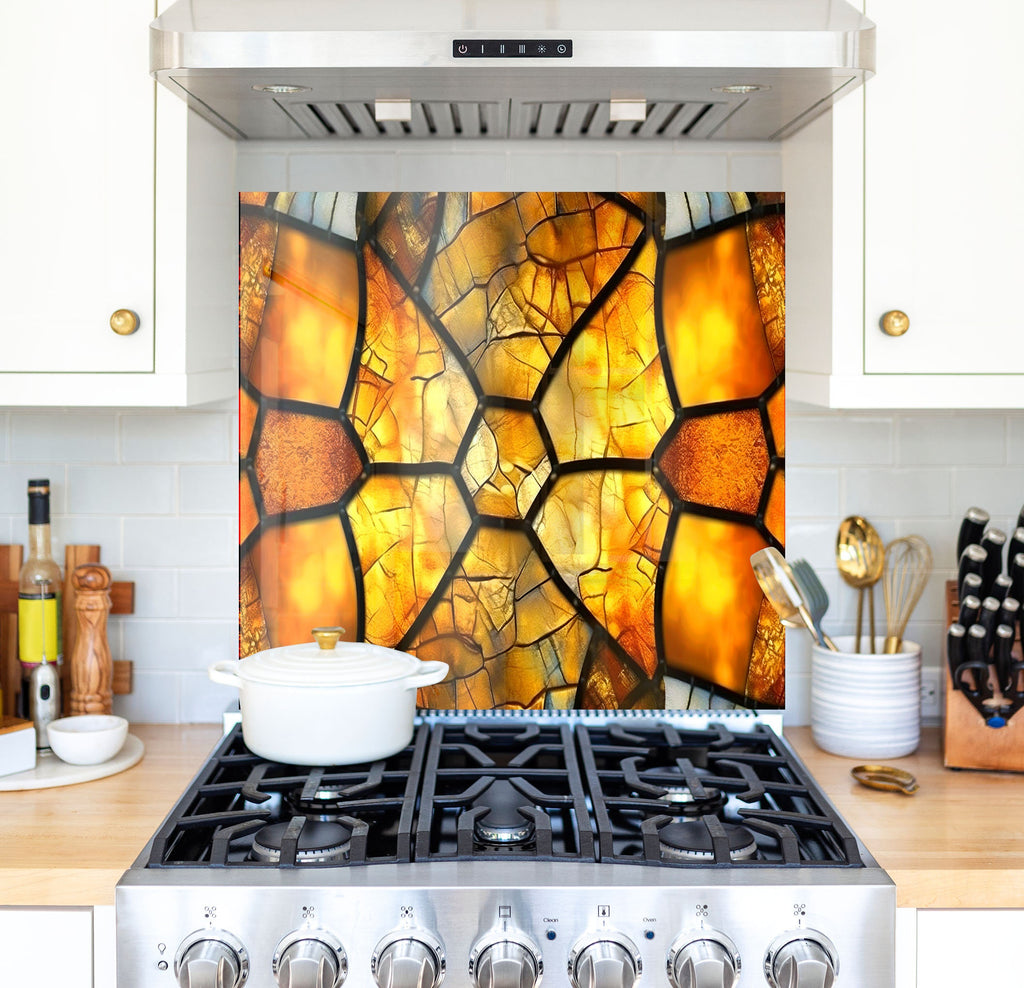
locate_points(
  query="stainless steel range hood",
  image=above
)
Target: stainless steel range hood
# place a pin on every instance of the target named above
(394, 69)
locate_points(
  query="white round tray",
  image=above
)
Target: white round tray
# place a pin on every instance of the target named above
(50, 771)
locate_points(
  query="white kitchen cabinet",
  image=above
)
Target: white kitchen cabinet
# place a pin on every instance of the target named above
(969, 947)
(46, 947)
(897, 201)
(116, 198)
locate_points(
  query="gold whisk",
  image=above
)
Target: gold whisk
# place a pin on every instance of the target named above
(908, 564)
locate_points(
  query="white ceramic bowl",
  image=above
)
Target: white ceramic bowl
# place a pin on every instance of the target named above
(88, 739)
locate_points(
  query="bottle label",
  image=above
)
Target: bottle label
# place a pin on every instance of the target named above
(39, 627)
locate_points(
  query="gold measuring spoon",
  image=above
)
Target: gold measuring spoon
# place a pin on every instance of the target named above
(885, 777)
(860, 559)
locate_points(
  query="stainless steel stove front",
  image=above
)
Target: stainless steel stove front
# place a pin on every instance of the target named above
(487, 925)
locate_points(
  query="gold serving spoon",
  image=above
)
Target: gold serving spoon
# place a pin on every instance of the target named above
(860, 559)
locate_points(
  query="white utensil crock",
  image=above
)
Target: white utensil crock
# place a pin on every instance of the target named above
(304, 705)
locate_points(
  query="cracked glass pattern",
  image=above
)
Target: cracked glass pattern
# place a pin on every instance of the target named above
(534, 435)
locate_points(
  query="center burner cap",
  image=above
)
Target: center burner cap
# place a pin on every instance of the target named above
(319, 842)
(502, 823)
(691, 841)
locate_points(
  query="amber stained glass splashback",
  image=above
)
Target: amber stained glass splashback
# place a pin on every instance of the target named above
(536, 435)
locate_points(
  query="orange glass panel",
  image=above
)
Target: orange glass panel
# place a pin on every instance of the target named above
(252, 625)
(306, 579)
(248, 516)
(307, 339)
(775, 514)
(408, 530)
(257, 237)
(247, 412)
(253, 198)
(766, 239)
(712, 322)
(766, 679)
(404, 228)
(777, 419)
(303, 461)
(719, 460)
(413, 401)
(711, 601)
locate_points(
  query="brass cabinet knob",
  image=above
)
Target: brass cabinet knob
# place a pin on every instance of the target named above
(124, 322)
(895, 323)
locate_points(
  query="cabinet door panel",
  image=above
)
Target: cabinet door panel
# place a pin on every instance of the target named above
(943, 218)
(77, 174)
(42, 946)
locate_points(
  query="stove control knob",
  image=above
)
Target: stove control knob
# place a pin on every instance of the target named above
(310, 959)
(505, 960)
(408, 959)
(707, 960)
(608, 960)
(801, 959)
(211, 959)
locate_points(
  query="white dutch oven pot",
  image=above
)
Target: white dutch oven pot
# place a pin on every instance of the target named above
(327, 703)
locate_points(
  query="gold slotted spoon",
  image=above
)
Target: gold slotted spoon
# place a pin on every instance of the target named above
(860, 559)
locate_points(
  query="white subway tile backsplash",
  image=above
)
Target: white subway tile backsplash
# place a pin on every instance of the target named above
(838, 440)
(1000, 491)
(180, 542)
(76, 437)
(113, 489)
(209, 490)
(14, 478)
(207, 593)
(811, 540)
(961, 439)
(156, 591)
(203, 701)
(896, 493)
(1015, 439)
(5, 421)
(811, 492)
(154, 699)
(174, 437)
(104, 531)
(179, 645)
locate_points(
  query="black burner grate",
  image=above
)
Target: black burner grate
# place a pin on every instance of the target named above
(616, 791)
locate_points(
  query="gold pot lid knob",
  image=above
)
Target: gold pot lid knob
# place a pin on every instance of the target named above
(327, 638)
(124, 322)
(895, 322)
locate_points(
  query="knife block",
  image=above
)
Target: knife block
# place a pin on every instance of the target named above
(967, 741)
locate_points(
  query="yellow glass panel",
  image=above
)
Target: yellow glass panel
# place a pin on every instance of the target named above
(712, 322)
(777, 418)
(257, 237)
(407, 529)
(247, 412)
(766, 239)
(775, 514)
(766, 679)
(306, 579)
(711, 601)
(248, 516)
(413, 400)
(307, 338)
(252, 625)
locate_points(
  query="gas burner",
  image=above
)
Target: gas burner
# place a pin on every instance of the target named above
(502, 824)
(319, 843)
(327, 803)
(682, 801)
(691, 842)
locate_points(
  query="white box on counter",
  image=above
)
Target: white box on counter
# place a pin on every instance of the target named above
(17, 745)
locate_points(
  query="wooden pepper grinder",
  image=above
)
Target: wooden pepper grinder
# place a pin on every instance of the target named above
(92, 670)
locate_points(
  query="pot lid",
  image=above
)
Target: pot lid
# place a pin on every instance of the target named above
(344, 664)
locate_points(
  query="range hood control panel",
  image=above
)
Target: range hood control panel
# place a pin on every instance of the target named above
(514, 48)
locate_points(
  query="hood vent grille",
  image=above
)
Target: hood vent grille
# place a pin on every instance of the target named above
(354, 119)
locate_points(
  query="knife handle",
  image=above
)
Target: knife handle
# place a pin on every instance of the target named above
(972, 560)
(979, 671)
(1016, 545)
(993, 542)
(1020, 517)
(1004, 644)
(988, 619)
(970, 608)
(1009, 612)
(956, 653)
(977, 657)
(973, 524)
(970, 587)
(1016, 571)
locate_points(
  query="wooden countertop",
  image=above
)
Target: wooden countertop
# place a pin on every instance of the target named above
(958, 843)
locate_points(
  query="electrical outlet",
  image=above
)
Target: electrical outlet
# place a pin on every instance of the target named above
(931, 694)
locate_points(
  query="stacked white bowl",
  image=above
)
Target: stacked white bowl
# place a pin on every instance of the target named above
(866, 705)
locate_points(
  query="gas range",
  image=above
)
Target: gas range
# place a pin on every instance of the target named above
(587, 850)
